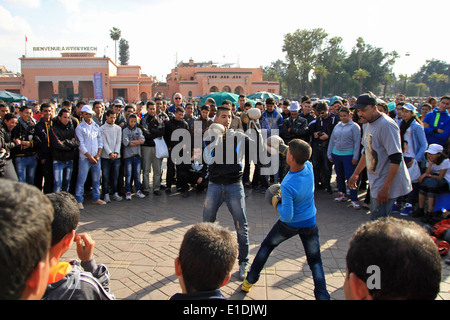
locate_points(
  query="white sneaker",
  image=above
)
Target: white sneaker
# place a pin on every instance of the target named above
(99, 201)
(341, 197)
(116, 197)
(80, 206)
(356, 205)
(140, 194)
(128, 196)
(242, 270)
(106, 198)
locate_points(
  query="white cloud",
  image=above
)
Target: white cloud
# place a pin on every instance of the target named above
(71, 5)
(24, 3)
(12, 32)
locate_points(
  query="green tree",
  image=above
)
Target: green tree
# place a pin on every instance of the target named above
(421, 87)
(438, 79)
(360, 45)
(361, 74)
(436, 84)
(404, 78)
(387, 80)
(373, 60)
(332, 58)
(115, 34)
(321, 72)
(124, 52)
(302, 51)
(277, 71)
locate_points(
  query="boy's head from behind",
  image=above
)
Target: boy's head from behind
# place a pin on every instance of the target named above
(207, 255)
(300, 151)
(66, 215)
(25, 232)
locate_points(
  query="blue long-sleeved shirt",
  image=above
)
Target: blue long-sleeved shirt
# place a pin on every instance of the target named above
(297, 208)
(437, 120)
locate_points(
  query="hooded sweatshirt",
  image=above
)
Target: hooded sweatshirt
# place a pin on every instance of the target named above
(345, 140)
(68, 281)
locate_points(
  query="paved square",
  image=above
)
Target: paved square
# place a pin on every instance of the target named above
(138, 241)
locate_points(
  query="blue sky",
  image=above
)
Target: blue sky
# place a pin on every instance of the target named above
(161, 32)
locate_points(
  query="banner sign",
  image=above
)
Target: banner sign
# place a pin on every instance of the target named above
(98, 86)
(64, 48)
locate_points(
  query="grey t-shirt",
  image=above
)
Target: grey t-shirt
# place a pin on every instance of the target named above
(381, 139)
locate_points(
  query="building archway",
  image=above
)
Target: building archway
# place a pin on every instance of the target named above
(144, 97)
(214, 89)
(226, 89)
(239, 90)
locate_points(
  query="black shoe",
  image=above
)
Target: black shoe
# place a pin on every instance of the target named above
(157, 193)
(420, 212)
(185, 194)
(168, 191)
(328, 190)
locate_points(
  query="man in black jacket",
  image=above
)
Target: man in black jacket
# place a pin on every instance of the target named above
(294, 127)
(64, 150)
(8, 123)
(321, 129)
(27, 144)
(44, 168)
(152, 128)
(224, 157)
(177, 122)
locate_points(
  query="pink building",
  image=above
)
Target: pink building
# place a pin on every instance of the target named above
(83, 76)
(198, 79)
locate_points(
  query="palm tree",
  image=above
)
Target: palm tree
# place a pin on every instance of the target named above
(322, 73)
(387, 80)
(115, 34)
(421, 88)
(404, 78)
(361, 74)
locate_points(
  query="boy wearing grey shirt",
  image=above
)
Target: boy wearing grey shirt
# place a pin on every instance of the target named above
(132, 139)
(112, 141)
(388, 176)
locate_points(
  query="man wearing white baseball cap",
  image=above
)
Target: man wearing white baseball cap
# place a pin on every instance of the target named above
(91, 145)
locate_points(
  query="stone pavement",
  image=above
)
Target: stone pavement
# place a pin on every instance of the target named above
(139, 240)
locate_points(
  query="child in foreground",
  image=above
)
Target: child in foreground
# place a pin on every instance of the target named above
(297, 217)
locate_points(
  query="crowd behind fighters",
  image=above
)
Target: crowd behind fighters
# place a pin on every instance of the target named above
(60, 150)
(400, 156)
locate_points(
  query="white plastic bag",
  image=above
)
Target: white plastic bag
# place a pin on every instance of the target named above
(161, 148)
(414, 172)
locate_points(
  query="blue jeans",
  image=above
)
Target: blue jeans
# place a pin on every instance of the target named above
(380, 211)
(26, 169)
(322, 165)
(432, 186)
(110, 174)
(234, 196)
(132, 169)
(310, 238)
(344, 169)
(83, 169)
(62, 173)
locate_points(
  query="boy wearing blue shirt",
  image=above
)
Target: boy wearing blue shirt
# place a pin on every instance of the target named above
(297, 216)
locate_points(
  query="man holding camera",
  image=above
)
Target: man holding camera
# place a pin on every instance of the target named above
(321, 129)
